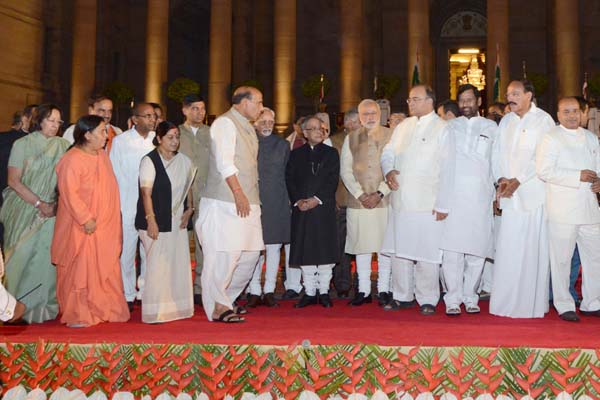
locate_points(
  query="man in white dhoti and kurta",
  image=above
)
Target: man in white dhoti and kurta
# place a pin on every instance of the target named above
(228, 225)
(568, 161)
(418, 157)
(468, 230)
(368, 201)
(521, 268)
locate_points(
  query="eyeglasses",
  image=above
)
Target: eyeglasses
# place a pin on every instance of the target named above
(415, 100)
(147, 116)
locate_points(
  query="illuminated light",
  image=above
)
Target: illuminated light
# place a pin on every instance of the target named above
(468, 51)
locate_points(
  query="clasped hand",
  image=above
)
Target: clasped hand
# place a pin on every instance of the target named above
(307, 204)
(369, 200)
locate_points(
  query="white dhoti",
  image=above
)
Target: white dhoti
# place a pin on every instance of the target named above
(562, 239)
(231, 247)
(521, 276)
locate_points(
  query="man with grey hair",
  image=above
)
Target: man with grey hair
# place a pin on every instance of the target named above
(228, 225)
(367, 204)
(342, 273)
(418, 158)
(273, 155)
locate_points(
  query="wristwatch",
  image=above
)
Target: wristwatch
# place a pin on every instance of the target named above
(37, 204)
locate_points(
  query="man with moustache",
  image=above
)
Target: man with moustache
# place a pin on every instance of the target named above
(568, 161)
(468, 231)
(102, 106)
(228, 224)
(395, 119)
(521, 267)
(273, 155)
(195, 143)
(312, 175)
(127, 152)
(368, 201)
(416, 161)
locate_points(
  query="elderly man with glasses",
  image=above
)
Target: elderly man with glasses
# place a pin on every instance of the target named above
(126, 154)
(418, 158)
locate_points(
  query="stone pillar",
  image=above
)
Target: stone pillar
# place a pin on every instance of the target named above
(83, 67)
(284, 62)
(219, 68)
(497, 39)
(419, 41)
(566, 30)
(350, 53)
(157, 49)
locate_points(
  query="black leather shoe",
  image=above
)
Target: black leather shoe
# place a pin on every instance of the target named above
(290, 294)
(269, 300)
(384, 298)
(427, 309)
(197, 299)
(590, 313)
(306, 300)
(253, 301)
(569, 316)
(360, 299)
(343, 294)
(325, 301)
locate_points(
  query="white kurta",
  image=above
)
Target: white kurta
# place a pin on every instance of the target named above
(469, 226)
(423, 151)
(521, 268)
(573, 213)
(231, 244)
(365, 228)
(168, 293)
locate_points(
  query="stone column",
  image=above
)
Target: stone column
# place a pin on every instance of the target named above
(419, 41)
(83, 67)
(497, 43)
(284, 62)
(566, 30)
(350, 53)
(219, 68)
(157, 49)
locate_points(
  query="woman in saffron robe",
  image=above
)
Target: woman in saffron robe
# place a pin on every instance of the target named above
(28, 215)
(87, 235)
(164, 209)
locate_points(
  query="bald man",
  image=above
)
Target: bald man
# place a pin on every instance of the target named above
(229, 217)
(568, 161)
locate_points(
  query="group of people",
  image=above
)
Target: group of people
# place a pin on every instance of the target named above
(81, 211)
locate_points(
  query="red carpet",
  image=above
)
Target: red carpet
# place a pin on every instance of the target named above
(341, 324)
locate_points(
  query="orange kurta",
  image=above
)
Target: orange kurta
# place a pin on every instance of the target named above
(89, 286)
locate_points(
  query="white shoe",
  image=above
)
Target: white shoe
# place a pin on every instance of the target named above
(453, 310)
(472, 309)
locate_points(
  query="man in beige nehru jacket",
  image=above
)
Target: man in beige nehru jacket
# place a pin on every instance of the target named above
(229, 226)
(367, 203)
(195, 143)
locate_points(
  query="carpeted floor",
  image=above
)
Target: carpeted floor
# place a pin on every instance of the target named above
(341, 324)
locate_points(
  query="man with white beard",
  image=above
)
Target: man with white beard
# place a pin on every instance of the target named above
(367, 203)
(273, 155)
(568, 160)
(418, 158)
(521, 267)
(468, 231)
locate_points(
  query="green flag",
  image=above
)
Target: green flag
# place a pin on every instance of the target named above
(415, 76)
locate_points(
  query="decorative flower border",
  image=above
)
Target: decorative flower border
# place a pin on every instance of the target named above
(341, 371)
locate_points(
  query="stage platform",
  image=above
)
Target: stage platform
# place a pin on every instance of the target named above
(340, 350)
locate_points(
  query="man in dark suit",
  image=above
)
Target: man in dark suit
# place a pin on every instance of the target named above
(312, 176)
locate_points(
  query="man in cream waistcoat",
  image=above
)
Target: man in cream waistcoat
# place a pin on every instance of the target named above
(419, 156)
(568, 161)
(368, 201)
(228, 225)
(521, 267)
(468, 230)
(195, 143)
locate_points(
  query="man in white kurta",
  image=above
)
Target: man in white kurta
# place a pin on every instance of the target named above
(229, 226)
(418, 157)
(521, 267)
(126, 153)
(568, 161)
(468, 230)
(367, 204)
